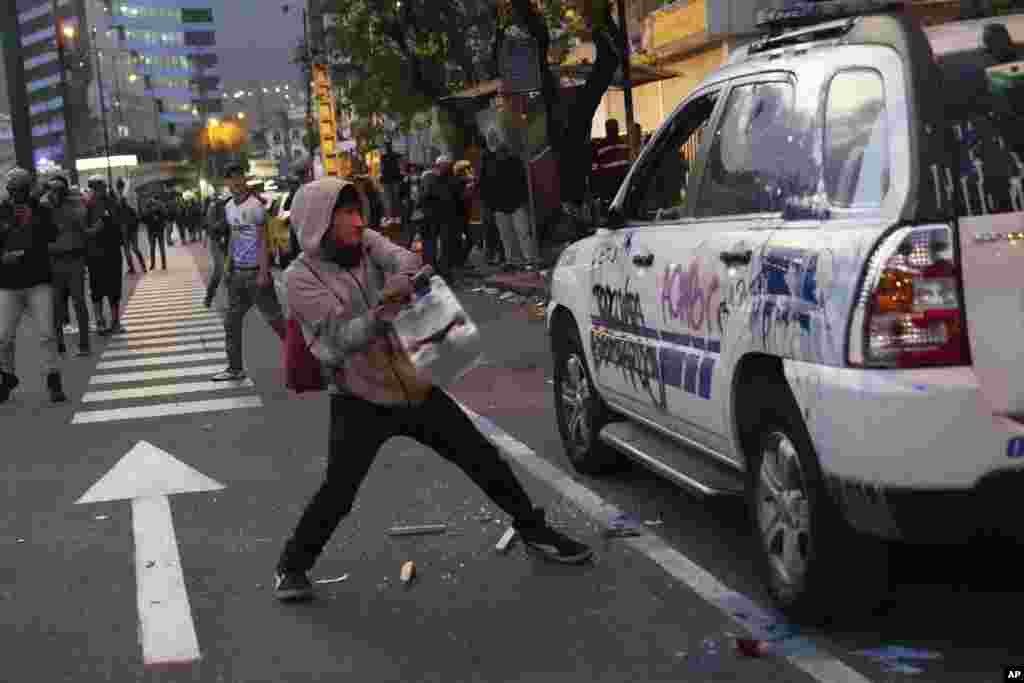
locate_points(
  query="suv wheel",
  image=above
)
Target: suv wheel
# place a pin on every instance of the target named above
(579, 409)
(806, 547)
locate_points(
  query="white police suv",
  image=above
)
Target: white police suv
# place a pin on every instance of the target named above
(810, 292)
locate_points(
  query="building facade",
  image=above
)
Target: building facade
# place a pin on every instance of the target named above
(45, 97)
(167, 66)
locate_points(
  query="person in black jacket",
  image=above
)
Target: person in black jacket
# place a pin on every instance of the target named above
(155, 219)
(507, 189)
(103, 249)
(67, 256)
(129, 220)
(26, 231)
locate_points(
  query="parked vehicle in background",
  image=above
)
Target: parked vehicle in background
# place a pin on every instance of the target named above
(807, 293)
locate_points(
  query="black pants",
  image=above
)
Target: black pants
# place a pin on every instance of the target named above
(358, 430)
(69, 281)
(157, 237)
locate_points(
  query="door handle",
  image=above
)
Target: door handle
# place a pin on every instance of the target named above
(736, 258)
(643, 260)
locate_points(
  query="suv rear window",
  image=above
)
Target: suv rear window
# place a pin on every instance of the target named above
(856, 140)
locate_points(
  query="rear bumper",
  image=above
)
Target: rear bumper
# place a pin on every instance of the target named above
(912, 454)
(935, 516)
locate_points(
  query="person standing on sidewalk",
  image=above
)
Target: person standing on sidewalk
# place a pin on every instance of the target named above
(391, 180)
(217, 232)
(488, 168)
(129, 220)
(154, 218)
(26, 277)
(104, 246)
(443, 207)
(508, 192)
(248, 273)
(67, 254)
(345, 290)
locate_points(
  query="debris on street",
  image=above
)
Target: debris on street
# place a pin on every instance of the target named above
(101, 517)
(622, 526)
(900, 659)
(653, 522)
(408, 572)
(337, 579)
(506, 540)
(752, 647)
(208, 428)
(418, 529)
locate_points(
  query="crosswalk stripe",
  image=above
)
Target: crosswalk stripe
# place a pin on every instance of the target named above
(158, 299)
(181, 313)
(184, 311)
(155, 362)
(155, 317)
(127, 353)
(147, 376)
(163, 390)
(137, 341)
(168, 296)
(167, 409)
(161, 307)
(148, 327)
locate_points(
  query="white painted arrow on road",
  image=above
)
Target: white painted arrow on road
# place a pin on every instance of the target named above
(146, 476)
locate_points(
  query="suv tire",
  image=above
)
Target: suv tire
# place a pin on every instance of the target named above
(815, 565)
(580, 410)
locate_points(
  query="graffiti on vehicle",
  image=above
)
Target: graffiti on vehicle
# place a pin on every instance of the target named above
(791, 292)
(689, 298)
(1015, 448)
(605, 253)
(628, 242)
(619, 313)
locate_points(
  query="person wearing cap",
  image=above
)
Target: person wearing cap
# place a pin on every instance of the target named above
(67, 255)
(248, 270)
(26, 277)
(345, 290)
(104, 255)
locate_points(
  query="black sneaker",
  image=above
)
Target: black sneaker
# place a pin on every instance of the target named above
(554, 546)
(54, 384)
(292, 586)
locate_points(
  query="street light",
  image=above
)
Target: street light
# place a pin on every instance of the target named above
(241, 116)
(68, 30)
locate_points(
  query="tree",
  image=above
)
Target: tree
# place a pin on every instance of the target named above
(401, 57)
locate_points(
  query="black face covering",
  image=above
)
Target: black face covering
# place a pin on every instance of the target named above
(19, 195)
(346, 257)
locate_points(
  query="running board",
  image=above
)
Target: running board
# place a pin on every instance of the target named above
(687, 468)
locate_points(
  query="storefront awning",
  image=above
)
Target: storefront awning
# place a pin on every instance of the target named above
(569, 76)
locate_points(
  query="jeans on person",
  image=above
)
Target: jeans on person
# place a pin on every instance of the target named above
(514, 229)
(217, 257)
(157, 237)
(69, 281)
(244, 293)
(358, 428)
(38, 302)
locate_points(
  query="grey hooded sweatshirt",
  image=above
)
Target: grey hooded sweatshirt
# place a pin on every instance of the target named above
(333, 304)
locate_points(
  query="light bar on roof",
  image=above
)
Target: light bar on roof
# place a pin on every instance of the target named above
(813, 12)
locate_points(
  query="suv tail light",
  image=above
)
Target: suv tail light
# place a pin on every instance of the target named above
(909, 313)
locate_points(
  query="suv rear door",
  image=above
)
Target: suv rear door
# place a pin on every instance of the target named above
(986, 115)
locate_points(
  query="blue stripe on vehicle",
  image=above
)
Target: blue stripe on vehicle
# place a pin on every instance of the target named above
(690, 379)
(707, 366)
(671, 362)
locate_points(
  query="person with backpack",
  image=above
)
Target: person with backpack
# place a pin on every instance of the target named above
(344, 291)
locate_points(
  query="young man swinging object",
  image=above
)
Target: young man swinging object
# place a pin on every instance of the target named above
(345, 290)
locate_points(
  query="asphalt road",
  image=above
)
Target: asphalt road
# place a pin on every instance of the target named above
(70, 605)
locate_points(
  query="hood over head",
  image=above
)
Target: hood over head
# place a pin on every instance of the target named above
(312, 211)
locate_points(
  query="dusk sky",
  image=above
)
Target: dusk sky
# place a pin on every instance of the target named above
(254, 37)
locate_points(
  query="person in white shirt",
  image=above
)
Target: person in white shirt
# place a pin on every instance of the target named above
(248, 273)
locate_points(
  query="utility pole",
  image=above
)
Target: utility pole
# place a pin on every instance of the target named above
(21, 122)
(627, 84)
(103, 110)
(70, 149)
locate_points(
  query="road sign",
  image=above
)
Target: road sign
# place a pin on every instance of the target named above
(328, 122)
(146, 476)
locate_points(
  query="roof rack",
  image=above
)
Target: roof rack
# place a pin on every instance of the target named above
(811, 12)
